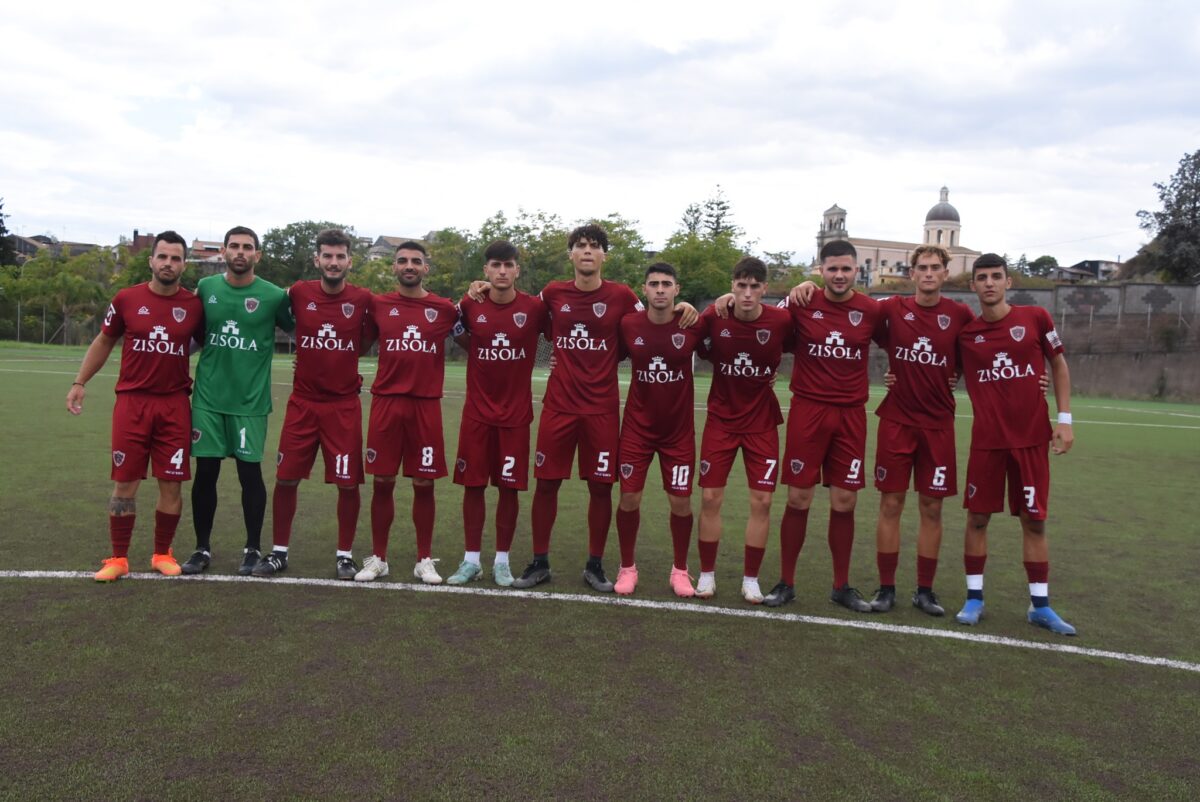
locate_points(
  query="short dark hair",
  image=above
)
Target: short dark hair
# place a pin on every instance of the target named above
(750, 267)
(838, 247)
(501, 250)
(411, 245)
(664, 268)
(171, 238)
(592, 232)
(989, 260)
(334, 238)
(241, 230)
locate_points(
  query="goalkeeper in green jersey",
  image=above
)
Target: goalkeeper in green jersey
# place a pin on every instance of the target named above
(233, 391)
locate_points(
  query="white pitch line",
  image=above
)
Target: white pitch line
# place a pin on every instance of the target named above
(679, 607)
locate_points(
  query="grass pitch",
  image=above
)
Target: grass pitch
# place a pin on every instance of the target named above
(180, 689)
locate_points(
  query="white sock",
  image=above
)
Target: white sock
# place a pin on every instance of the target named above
(747, 580)
(282, 549)
(341, 553)
(471, 557)
(501, 558)
(708, 575)
(974, 581)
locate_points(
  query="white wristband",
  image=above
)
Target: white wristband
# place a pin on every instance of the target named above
(1064, 417)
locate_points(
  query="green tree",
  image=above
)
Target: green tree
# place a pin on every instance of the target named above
(8, 249)
(288, 251)
(454, 263)
(1176, 227)
(704, 264)
(1021, 265)
(626, 260)
(1042, 266)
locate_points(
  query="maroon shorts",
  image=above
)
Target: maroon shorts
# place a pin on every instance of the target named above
(826, 444)
(676, 461)
(335, 425)
(925, 454)
(407, 430)
(496, 453)
(597, 437)
(155, 430)
(1027, 471)
(760, 454)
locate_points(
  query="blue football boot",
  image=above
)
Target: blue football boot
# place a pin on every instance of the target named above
(1046, 618)
(971, 612)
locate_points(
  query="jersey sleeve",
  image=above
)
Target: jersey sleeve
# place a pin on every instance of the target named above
(114, 322)
(284, 318)
(1049, 340)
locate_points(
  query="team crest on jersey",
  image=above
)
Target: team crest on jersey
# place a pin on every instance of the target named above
(880, 473)
(118, 458)
(599, 309)
(909, 316)
(943, 322)
(179, 313)
(461, 465)
(431, 315)
(312, 306)
(145, 310)
(279, 458)
(704, 466)
(539, 459)
(371, 455)
(1017, 332)
(251, 304)
(678, 340)
(855, 317)
(196, 435)
(796, 465)
(763, 336)
(519, 319)
(626, 470)
(348, 310)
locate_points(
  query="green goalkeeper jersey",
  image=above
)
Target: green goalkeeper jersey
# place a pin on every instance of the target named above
(233, 375)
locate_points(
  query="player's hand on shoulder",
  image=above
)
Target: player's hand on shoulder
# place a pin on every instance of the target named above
(889, 380)
(723, 305)
(688, 315)
(75, 399)
(478, 291)
(802, 293)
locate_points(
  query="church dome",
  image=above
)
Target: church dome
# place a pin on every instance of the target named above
(943, 210)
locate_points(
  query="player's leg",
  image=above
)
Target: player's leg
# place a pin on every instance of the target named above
(717, 450)
(894, 451)
(425, 461)
(929, 545)
(348, 505)
(477, 451)
(171, 466)
(209, 447)
(341, 438)
(122, 514)
(681, 525)
(513, 477)
(293, 463)
(843, 471)
(842, 502)
(809, 431)
(986, 472)
(1029, 496)
(386, 428)
(557, 437)
(935, 479)
(166, 521)
(758, 524)
(598, 449)
(793, 530)
(629, 519)
(249, 439)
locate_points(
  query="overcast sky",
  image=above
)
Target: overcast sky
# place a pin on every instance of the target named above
(1049, 121)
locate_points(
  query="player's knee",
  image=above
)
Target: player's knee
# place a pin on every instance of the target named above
(891, 505)
(170, 491)
(384, 483)
(599, 489)
(711, 499)
(800, 498)
(1033, 528)
(931, 508)
(978, 521)
(287, 482)
(547, 487)
(760, 502)
(680, 505)
(842, 500)
(630, 501)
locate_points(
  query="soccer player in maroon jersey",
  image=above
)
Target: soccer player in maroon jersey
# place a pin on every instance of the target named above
(324, 408)
(1003, 354)
(743, 413)
(500, 334)
(152, 422)
(827, 421)
(580, 408)
(405, 427)
(659, 419)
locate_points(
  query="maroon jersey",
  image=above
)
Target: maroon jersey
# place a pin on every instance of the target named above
(921, 343)
(412, 336)
(158, 331)
(745, 358)
(504, 341)
(583, 328)
(661, 394)
(329, 338)
(1001, 363)
(832, 340)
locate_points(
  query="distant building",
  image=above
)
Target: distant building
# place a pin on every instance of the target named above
(385, 247)
(25, 247)
(1098, 269)
(879, 260)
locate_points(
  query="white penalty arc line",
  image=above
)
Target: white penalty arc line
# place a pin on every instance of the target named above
(679, 607)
